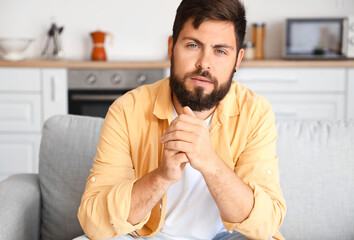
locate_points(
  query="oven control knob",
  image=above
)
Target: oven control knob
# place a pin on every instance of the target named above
(141, 79)
(116, 79)
(91, 79)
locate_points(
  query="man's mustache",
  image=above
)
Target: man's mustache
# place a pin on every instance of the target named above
(203, 73)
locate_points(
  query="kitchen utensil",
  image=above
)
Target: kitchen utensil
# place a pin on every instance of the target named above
(13, 48)
(54, 38)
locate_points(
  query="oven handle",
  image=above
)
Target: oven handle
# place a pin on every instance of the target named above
(96, 97)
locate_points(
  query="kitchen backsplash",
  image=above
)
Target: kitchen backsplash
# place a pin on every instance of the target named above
(140, 27)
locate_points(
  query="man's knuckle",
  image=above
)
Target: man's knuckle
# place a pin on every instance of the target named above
(168, 145)
(179, 134)
(182, 116)
(178, 124)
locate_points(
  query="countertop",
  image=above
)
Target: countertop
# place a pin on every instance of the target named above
(267, 63)
(40, 63)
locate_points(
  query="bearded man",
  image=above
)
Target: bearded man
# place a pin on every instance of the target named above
(191, 156)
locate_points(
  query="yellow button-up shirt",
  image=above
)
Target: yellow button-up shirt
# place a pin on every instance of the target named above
(243, 135)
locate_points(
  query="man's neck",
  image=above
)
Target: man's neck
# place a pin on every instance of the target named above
(201, 115)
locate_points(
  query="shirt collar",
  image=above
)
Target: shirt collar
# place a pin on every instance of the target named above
(228, 107)
(163, 105)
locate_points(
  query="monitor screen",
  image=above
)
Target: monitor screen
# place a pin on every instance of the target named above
(314, 37)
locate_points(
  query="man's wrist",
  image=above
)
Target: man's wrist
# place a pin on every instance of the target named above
(162, 181)
(212, 166)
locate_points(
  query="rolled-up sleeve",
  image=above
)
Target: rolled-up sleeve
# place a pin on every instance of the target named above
(105, 204)
(257, 166)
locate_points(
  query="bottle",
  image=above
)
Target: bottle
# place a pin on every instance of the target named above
(258, 35)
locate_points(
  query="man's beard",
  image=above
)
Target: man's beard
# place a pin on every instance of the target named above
(196, 99)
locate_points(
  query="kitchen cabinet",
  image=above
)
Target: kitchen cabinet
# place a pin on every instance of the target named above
(20, 112)
(25, 80)
(28, 96)
(19, 153)
(55, 92)
(302, 93)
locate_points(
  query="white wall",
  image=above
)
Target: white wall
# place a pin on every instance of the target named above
(140, 27)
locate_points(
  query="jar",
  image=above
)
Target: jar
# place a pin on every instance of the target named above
(258, 35)
(249, 50)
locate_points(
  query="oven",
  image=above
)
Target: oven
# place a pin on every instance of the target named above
(91, 92)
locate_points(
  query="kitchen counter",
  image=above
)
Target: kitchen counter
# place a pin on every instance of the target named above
(268, 63)
(40, 63)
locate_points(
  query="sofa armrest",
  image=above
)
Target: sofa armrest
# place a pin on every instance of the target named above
(20, 203)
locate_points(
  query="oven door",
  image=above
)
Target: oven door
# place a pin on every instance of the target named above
(92, 102)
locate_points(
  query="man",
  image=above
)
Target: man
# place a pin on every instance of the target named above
(191, 156)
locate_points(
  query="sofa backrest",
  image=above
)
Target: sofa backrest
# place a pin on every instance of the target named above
(316, 161)
(68, 147)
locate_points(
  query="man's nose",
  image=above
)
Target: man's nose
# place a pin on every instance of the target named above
(204, 61)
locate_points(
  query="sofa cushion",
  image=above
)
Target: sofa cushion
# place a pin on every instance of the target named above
(68, 147)
(316, 161)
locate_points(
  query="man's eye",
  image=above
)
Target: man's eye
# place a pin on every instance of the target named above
(221, 52)
(192, 45)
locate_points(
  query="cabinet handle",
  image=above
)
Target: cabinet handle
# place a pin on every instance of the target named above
(286, 114)
(52, 88)
(98, 97)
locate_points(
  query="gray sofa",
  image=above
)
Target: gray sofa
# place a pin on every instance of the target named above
(316, 161)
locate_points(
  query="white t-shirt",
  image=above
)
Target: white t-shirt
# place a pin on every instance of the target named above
(191, 212)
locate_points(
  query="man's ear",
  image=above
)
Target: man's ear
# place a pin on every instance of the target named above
(170, 47)
(239, 58)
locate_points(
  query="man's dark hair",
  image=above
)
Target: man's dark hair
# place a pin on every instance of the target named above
(202, 10)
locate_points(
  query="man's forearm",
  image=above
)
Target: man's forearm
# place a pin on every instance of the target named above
(233, 197)
(146, 193)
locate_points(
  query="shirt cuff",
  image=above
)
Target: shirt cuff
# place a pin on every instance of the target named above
(119, 201)
(261, 220)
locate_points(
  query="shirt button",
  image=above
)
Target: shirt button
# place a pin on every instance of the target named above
(93, 179)
(269, 171)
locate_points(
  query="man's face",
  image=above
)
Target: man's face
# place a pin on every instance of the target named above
(203, 61)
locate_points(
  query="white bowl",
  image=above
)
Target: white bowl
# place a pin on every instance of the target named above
(13, 48)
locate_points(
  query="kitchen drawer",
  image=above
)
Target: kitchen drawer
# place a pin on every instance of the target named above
(293, 80)
(19, 153)
(319, 107)
(20, 79)
(20, 112)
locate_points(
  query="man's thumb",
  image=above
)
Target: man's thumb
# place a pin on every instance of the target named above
(188, 111)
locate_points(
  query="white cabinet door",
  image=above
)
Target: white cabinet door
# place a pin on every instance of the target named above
(314, 107)
(293, 80)
(20, 113)
(20, 79)
(55, 92)
(305, 93)
(350, 94)
(19, 153)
